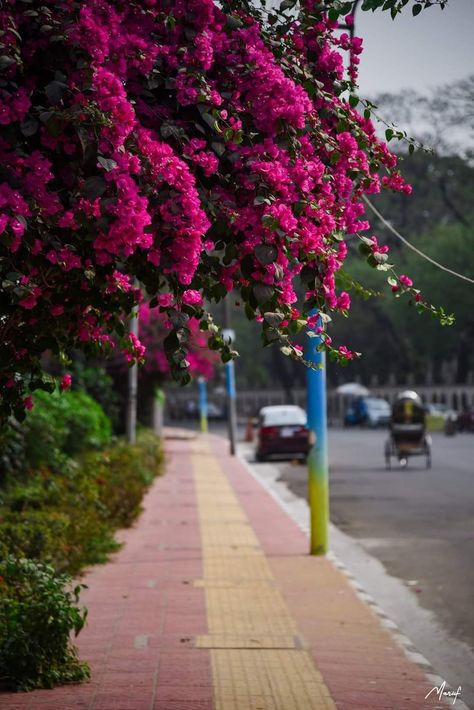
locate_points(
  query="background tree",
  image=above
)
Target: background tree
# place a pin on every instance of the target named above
(154, 327)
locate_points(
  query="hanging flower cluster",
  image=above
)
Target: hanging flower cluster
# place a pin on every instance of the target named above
(184, 146)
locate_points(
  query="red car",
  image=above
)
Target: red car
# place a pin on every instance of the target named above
(465, 420)
(282, 431)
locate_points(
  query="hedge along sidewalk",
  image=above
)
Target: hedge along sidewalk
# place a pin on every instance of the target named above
(213, 602)
(39, 607)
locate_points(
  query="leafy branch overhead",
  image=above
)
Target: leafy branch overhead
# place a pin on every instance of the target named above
(177, 151)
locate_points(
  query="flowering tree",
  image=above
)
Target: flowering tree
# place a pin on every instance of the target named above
(154, 329)
(188, 148)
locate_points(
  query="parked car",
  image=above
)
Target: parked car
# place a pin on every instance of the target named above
(282, 431)
(368, 411)
(465, 421)
(214, 411)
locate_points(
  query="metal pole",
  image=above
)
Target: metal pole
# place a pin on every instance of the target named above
(203, 404)
(229, 334)
(131, 414)
(158, 408)
(231, 404)
(318, 479)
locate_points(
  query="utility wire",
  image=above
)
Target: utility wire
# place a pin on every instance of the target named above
(408, 244)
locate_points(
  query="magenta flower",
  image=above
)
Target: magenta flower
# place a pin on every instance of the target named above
(28, 402)
(65, 383)
(192, 298)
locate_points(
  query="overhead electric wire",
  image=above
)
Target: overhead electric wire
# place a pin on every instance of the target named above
(408, 244)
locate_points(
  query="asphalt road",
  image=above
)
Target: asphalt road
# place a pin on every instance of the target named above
(419, 523)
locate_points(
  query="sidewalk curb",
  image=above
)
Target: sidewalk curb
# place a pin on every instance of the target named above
(402, 640)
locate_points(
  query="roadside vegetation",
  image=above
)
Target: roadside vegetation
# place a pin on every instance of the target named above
(66, 485)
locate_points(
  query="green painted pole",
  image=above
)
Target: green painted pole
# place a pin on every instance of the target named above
(318, 479)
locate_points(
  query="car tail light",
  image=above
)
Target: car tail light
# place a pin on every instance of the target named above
(269, 432)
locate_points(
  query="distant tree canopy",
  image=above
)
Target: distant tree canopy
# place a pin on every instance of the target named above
(401, 343)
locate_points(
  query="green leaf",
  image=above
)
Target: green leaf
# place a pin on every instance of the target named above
(29, 127)
(249, 312)
(273, 319)
(269, 221)
(5, 61)
(171, 342)
(263, 293)
(55, 91)
(210, 120)
(107, 163)
(233, 23)
(169, 130)
(265, 253)
(380, 258)
(218, 148)
(416, 9)
(94, 187)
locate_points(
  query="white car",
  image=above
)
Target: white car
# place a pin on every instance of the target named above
(378, 412)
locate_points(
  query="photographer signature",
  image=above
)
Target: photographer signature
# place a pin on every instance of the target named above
(441, 692)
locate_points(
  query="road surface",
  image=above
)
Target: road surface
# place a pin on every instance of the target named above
(419, 523)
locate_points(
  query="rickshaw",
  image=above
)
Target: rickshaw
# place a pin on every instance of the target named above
(408, 435)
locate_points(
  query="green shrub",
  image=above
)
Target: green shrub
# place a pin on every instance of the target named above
(123, 473)
(38, 612)
(68, 517)
(43, 520)
(73, 421)
(58, 427)
(98, 384)
(36, 534)
(12, 451)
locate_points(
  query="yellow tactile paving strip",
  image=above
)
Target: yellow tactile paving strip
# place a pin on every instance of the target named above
(258, 657)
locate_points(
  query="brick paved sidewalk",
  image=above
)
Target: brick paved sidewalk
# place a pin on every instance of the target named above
(214, 604)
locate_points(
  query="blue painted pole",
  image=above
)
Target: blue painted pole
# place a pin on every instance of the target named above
(203, 404)
(231, 403)
(318, 479)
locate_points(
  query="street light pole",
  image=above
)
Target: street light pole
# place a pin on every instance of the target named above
(318, 478)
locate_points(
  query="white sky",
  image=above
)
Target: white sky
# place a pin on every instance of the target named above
(434, 48)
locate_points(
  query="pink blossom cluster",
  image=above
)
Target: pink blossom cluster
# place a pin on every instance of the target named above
(172, 143)
(154, 327)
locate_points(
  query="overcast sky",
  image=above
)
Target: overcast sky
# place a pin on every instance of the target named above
(420, 52)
